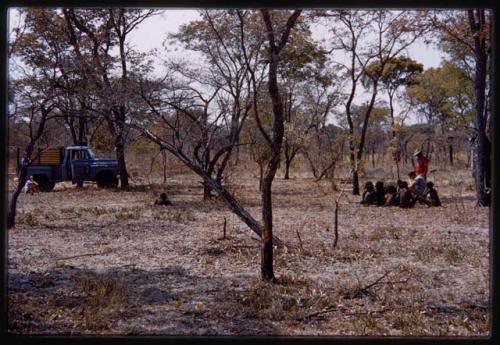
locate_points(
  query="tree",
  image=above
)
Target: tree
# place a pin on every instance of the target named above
(444, 96)
(98, 31)
(397, 72)
(303, 66)
(275, 46)
(480, 26)
(45, 39)
(366, 37)
(37, 96)
(176, 143)
(466, 36)
(217, 37)
(323, 144)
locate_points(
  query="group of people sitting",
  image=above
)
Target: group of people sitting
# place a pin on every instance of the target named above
(404, 194)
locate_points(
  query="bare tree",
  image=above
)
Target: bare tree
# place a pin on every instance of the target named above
(113, 28)
(368, 36)
(275, 46)
(466, 37)
(38, 102)
(481, 32)
(175, 145)
(217, 38)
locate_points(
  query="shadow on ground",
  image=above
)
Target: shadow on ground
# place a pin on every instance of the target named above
(126, 300)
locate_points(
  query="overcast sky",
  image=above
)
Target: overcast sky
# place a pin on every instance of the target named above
(152, 33)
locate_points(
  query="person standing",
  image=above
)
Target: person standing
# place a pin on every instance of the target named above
(421, 166)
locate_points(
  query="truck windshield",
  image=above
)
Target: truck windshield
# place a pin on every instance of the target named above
(91, 154)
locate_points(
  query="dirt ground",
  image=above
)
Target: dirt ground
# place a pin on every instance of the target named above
(95, 261)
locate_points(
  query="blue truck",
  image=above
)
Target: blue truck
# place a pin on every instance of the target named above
(77, 164)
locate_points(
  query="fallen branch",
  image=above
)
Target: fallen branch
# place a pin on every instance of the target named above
(450, 308)
(333, 309)
(324, 311)
(79, 256)
(364, 289)
(444, 308)
(214, 184)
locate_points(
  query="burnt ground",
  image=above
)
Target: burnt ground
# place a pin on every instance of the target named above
(94, 261)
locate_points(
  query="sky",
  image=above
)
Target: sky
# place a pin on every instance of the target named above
(152, 33)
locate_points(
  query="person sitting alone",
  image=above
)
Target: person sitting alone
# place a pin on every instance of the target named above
(369, 196)
(418, 187)
(432, 195)
(31, 186)
(163, 200)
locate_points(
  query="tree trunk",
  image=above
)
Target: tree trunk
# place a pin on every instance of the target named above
(311, 164)
(23, 172)
(477, 25)
(397, 149)
(81, 137)
(287, 169)
(450, 148)
(278, 130)
(81, 128)
(164, 156)
(11, 213)
(207, 192)
(355, 182)
(261, 175)
(354, 167)
(267, 270)
(288, 160)
(120, 157)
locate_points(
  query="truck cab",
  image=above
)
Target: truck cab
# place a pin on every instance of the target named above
(77, 164)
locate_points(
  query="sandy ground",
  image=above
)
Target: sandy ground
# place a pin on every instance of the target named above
(97, 261)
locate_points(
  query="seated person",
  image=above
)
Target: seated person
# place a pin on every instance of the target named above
(392, 195)
(163, 200)
(31, 186)
(406, 198)
(379, 193)
(432, 195)
(369, 196)
(418, 187)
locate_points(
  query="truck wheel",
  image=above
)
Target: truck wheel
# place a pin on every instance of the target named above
(106, 180)
(43, 183)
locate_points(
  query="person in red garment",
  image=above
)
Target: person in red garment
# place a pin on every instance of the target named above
(421, 164)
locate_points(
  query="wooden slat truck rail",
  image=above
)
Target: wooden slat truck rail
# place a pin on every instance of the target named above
(47, 156)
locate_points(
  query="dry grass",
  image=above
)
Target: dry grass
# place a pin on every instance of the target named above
(104, 299)
(109, 262)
